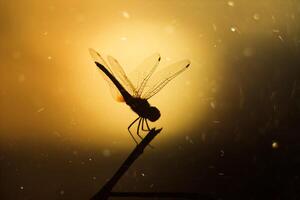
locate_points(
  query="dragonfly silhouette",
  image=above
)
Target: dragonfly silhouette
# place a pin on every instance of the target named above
(136, 93)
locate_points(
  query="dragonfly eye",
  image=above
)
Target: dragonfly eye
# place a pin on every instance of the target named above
(154, 114)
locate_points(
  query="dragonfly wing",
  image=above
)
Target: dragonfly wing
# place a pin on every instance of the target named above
(143, 72)
(164, 76)
(120, 75)
(113, 89)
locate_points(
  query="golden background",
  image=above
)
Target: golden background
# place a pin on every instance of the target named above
(229, 121)
(49, 84)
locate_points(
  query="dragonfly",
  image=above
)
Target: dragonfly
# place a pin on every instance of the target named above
(144, 84)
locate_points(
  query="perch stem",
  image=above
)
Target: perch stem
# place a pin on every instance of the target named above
(105, 191)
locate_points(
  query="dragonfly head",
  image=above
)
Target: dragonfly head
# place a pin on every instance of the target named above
(154, 114)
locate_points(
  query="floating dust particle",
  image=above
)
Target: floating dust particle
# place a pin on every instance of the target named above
(275, 145)
(106, 153)
(230, 3)
(256, 16)
(125, 14)
(21, 78)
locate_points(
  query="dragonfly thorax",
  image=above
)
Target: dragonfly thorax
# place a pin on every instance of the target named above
(144, 109)
(154, 114)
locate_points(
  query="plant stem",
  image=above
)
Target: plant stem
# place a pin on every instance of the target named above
(105, 191)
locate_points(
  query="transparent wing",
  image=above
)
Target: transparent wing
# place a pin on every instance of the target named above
(121, 76)
(142, 73)
(113, 89)
(164, 76)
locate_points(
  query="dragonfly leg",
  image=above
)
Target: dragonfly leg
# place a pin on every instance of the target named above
(143, 122)
(138, 128)
(148, 129)
(130, 131)
(147, 125)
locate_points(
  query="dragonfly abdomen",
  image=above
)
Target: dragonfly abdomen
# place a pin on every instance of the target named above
(122, 90)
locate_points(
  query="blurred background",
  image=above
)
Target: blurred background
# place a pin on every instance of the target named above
(230, 122)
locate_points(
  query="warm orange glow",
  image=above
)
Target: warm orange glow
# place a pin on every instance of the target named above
(121, 99)
(49, 83)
